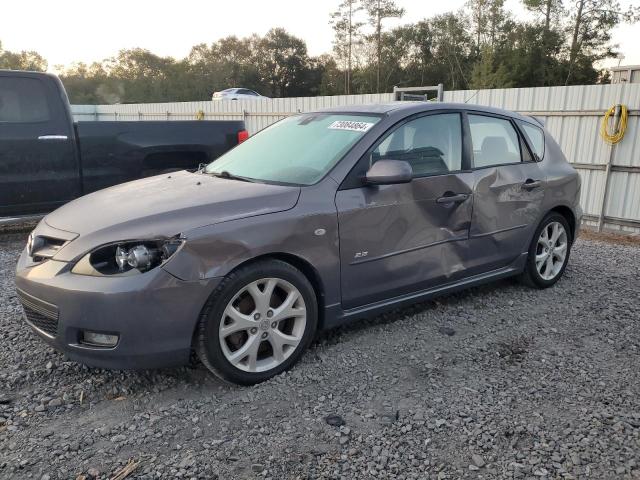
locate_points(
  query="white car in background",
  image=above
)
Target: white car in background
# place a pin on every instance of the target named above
(236, 94)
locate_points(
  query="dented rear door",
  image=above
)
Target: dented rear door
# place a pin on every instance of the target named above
(508, 191)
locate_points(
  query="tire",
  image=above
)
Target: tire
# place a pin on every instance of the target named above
(538, 273)
(257, 323)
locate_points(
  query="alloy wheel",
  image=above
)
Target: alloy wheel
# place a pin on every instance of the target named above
(551, 250)
(263, 325)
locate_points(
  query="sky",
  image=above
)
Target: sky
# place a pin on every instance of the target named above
(67, 31)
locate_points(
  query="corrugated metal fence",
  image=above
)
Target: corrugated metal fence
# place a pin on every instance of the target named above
(257, 114)
(571, 114)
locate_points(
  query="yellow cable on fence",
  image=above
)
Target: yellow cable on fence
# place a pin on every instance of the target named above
(613, 138)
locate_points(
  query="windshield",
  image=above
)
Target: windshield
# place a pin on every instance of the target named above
(298, 150)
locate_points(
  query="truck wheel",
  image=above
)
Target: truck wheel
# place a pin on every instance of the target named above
(257, 323)
(549, 252)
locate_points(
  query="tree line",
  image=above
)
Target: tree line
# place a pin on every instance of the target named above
(481, 46)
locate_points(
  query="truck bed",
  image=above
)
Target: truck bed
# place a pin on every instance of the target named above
(113, 152)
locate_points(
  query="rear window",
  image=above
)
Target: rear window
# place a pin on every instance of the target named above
(495, 141)
(535, 135)
(297, 150)
(22, 100)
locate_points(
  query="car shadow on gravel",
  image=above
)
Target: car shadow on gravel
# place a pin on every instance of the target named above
(335, 335)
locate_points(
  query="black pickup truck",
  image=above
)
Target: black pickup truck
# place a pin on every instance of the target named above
(46, 159)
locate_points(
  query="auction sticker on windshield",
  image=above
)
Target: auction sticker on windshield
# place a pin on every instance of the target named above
(351, 126)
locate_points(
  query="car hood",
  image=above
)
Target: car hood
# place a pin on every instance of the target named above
(163, 206)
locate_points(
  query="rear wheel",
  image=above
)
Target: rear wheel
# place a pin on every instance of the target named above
(549, 252)
(257, 323)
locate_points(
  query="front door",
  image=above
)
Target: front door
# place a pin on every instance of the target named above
(397, 239)
(508, 192)
(38, 165)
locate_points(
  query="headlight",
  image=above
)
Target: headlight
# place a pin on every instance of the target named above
(128, 257)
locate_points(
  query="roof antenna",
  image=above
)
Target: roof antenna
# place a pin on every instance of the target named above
(472, 96)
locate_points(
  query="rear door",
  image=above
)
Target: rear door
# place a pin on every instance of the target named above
(508, 192)
(38, 165)
(397, 239)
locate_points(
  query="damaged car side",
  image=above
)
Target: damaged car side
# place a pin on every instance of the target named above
(320, 218)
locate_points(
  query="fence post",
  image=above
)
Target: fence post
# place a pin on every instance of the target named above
(441, 92)
(607, 172)
(603, 204)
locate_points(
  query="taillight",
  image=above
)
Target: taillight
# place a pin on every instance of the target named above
(242, 136)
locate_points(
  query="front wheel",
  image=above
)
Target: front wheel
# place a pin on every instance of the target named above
(549, 252)
(257, 323)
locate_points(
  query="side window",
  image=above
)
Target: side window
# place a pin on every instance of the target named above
(22, 100)
(431, 144)
(535, 135)
(495, 141)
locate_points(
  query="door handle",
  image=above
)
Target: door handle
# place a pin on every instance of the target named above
(52, 137)
(531, 184)
(455, 198)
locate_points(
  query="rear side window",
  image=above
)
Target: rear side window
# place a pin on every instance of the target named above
(431, 144)
(535, 135)
(495, 141)
(22, 100)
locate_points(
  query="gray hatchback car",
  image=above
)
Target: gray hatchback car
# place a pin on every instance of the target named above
(318, 219)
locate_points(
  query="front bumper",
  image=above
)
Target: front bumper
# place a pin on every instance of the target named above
(153, 313)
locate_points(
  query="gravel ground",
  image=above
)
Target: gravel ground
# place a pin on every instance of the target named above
(500, 381)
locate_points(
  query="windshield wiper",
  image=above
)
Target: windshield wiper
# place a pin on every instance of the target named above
(230, 176)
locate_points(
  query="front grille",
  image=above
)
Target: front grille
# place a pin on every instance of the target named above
(39, 314)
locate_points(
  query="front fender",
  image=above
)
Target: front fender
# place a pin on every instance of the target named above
(216, 250)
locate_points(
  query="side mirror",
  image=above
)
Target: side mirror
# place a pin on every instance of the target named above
(389, 172)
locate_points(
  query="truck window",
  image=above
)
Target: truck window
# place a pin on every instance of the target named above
(22, 100)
